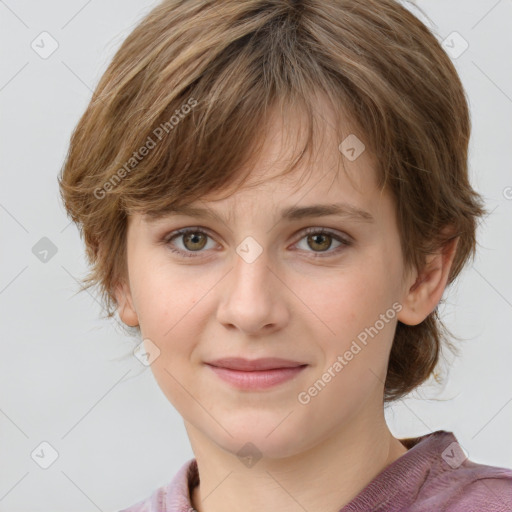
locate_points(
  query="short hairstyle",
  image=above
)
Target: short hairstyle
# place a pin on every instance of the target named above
(185, 101)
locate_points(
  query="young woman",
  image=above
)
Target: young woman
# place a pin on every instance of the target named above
(275, 194)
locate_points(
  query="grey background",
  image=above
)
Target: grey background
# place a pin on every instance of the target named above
(63, 378)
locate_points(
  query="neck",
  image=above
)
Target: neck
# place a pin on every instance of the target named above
(326, 477)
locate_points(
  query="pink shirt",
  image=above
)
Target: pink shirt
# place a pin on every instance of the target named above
(433, 476)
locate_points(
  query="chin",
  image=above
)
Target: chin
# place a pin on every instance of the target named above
(250, 443)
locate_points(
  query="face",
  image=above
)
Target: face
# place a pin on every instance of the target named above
(322, 291)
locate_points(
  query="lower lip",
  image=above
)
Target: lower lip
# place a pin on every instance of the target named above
(262, 379)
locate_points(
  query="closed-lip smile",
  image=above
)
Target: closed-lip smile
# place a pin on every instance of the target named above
(256, 374)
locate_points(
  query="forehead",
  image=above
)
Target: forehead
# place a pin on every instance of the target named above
(328, 173)
(336, 165)
(282, 200)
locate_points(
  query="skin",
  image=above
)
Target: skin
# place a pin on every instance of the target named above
(294, 301)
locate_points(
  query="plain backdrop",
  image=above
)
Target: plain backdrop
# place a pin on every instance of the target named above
(64, 377)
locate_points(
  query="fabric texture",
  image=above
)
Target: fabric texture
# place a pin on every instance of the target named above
(434, 475)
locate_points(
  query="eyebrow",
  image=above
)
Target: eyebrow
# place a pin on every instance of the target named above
(291, 213)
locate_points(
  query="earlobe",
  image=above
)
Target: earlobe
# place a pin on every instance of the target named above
(126, 310)
(426, 290)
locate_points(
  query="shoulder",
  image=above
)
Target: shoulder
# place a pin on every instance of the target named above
(447, 480)
(175, 496)
(153, 503)
(484, 489)
(473, 487)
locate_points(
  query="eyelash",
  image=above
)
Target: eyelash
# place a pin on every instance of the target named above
(309, 231)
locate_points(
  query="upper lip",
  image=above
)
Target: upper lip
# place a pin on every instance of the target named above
(266, 363)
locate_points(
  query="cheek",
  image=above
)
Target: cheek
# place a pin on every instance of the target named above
(174, 307)
(350, 305)
(165, 296)
(350, 298)
(168, 304)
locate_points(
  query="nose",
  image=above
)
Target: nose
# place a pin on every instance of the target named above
(253, 296)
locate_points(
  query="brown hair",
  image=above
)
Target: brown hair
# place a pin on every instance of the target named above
(193, 85)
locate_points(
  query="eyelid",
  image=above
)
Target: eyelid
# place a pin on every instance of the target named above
(344, 237)
(183, 231)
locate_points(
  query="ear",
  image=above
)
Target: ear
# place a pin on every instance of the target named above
(425, 289)
(125, 307)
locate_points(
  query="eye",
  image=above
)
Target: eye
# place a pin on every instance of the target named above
(321, 239)
(195, 239)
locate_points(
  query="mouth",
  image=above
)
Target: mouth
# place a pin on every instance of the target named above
(248, 365)
(256, 374)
